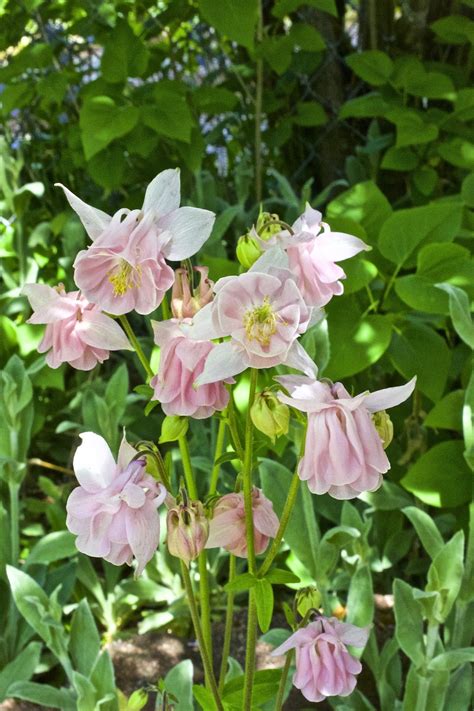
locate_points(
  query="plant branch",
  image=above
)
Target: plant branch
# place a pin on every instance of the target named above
(136, 346)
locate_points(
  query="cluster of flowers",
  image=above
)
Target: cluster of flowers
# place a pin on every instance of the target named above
(252, 320)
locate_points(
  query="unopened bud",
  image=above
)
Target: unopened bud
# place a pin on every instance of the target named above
(186, 302)
(308, 599)
(384, 426)
(268, 224)
(172, 428)
(188, 530)
(269, 415)
(248, 249)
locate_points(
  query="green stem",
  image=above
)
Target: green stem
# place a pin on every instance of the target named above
(283, 678)
(285, 517)
(250, 651)
(258, 109)
(14, 522)
(165, 310)
(234, 430)
(206, 659)
(204, 596)
(249, 534)
(229, 621)
(424, 685)
(218, 453)
(136, 346)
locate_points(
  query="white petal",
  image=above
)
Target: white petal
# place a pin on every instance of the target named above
(126, 453)
(101, 331)
(203, 327)
(93, 463)
(224, 361)
(190, 227)
(163, 193)
(389, 397)
(275, 257)
(337, 246)
(95, 221)
(298, 359)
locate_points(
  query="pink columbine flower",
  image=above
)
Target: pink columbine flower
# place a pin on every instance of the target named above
(344, 455)
(77, 332)
(185, 301)
(124, 269)
(182, 360)
(324, 666)
(313, 251)
(227, 526)
(114, 510)
(264, 313)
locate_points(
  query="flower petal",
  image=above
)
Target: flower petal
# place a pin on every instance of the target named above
(163, 193)
(337, 246)
(224, 361)
(190, 227)
(126, 453)
(93, 463)
(389, 397)
(48, 305)
(95, 221)
(101, 331)
(298, 358)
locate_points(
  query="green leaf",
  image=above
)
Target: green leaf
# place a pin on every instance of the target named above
(445, 574)
(363, 203)
(179, 682)
(460, 311)
(264, 600)
(459, 692)
(170, 115)
(452, 659)
(265, 684)
(236, 19)
(409, 622)
(276, 576)
(310, 113)
(372, 66)
(302, 533)
(389, 497)
(204, 698)
(415, 350)
(277, 51)
(306, 37)
(360, 599)
(402, 159)
(43, 694)
(125, 55)
(411, 127)
(468, 423)
(357, 341)
(284, 7)
(54, 546)
(359, 273)
(21, 668)
(440, 477)
(425, 180)
(246, 581)
(458, 152)
(447, 413)
(116, 392)
(84, 645)
(102, 121)
(406, 229)
(367, 106)
(454, 29)
(426, 529)
(103, 678)
(467, 190)
(214, 99)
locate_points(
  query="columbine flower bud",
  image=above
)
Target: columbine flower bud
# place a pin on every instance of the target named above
(248, 249)
(308, 599)
(384, 426)
(185, 302)
(268, 224)
(188, 530)
(269, 415)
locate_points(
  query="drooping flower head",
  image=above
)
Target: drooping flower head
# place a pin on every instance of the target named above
(313, 251)
(264, 313)
(124, 269)
(227, 526)
(187, 530)
(186, 301)
(77, 332)
(113, 511)
(324, 665)
(182, 360)
(344, 454)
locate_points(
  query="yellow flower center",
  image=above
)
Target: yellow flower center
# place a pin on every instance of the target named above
(124, 277)
(260, 323)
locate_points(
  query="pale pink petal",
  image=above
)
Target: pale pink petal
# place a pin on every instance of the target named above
(224, 361)
(133, 495)
(143, 533)
(337, 246)
(93, 463)
(389, 397)
(95, 221)
(350, 634)
(299, 359)
(100, 331)
(125, 454)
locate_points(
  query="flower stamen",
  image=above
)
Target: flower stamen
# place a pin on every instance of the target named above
(261, 323)
(125, 277)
